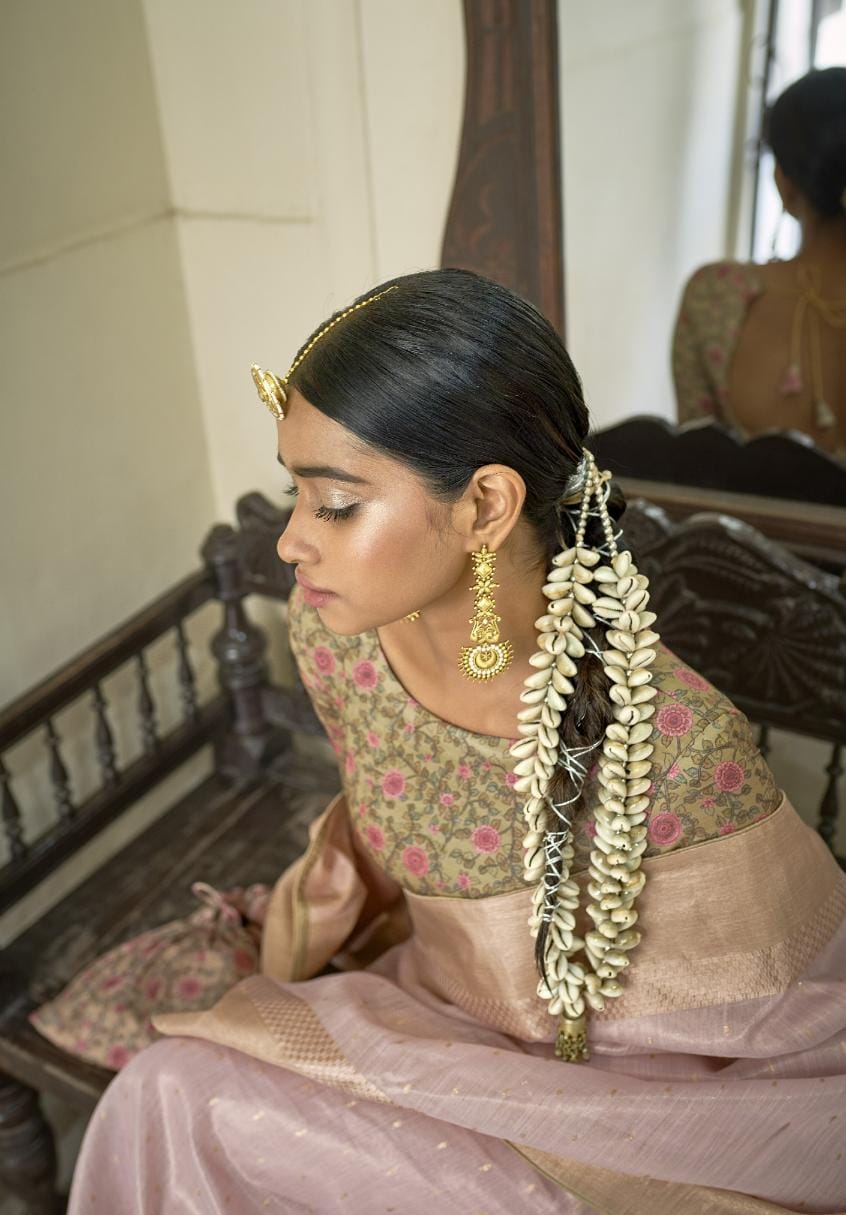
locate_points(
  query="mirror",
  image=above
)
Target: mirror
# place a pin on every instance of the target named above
(661, 110)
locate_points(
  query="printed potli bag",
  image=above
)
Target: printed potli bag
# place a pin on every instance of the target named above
(104, 1014)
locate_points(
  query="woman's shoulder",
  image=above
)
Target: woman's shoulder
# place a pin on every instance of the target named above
(723, 280)
(709, 778)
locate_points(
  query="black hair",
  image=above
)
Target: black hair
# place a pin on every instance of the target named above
(806, 130)
(447, 373)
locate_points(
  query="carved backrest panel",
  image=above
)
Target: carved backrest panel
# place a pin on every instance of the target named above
(781, 464)
(767, 629)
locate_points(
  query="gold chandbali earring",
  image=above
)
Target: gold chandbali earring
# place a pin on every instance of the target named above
(489, 656)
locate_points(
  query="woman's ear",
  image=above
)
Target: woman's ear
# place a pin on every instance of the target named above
(490, 506)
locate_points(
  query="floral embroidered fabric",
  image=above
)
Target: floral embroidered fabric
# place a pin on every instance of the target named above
(434, 804)
(713, 309)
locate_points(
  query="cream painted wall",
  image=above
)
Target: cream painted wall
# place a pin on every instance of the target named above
(325, 163)
(105, 487)
(649, 95)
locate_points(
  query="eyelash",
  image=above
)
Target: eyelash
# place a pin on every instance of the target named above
(333, 514)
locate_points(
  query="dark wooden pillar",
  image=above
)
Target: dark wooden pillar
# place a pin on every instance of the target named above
(505, 215)
(27, 1150)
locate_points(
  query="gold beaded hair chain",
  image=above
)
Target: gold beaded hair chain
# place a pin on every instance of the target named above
(273, 390)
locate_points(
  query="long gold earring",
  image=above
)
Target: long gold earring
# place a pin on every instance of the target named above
(489, 656)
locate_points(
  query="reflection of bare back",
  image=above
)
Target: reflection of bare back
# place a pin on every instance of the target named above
(764, 347)
(797, 308)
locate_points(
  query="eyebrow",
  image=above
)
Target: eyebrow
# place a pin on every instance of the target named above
(323, 470)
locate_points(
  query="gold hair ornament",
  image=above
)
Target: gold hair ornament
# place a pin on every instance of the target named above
(272, 390)
(586, 586)
(489, 656)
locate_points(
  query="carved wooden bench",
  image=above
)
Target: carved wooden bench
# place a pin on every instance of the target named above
(243, 823)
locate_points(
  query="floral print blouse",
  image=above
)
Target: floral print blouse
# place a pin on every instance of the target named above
(713, 309)
(434, 805)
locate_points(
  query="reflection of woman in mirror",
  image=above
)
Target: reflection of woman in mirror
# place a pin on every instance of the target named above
(764, 346)
(521, 761)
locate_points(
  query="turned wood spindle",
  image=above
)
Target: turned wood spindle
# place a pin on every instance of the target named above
(11, 816)
(104, 739)
(830, 804)
(187, 682)
(146, 706)
(58, 773)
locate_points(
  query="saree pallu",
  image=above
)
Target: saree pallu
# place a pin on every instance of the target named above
(717, 1083)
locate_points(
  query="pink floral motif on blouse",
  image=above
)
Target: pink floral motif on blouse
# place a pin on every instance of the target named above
(729, 776)
(727, 828)
(446, 799)
(486, 839)
(365, 675)
(324, 660)
(464, 771)
(665, 829)
(373, 740)
(349, 763)
(707, 803)
(415, 860)
(673, 772)
(375, 837)
(691, 679)
(393, 783)
(189, 987)
(462, 881)
(674, 720)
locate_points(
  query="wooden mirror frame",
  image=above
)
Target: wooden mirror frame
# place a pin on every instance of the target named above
(505, 215)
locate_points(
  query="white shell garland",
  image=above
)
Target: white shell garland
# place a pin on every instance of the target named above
(585, 586)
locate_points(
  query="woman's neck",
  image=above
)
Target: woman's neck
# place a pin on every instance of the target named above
(823, 242)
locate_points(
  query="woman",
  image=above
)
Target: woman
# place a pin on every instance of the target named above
(764, 347)
(462, 585)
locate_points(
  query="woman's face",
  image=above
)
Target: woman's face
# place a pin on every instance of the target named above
(369, 543)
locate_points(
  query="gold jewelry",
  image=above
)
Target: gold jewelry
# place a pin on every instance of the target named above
(412, 616)
(489, 656)
(273, 391)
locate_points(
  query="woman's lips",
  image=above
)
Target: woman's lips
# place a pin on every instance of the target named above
(314, 596)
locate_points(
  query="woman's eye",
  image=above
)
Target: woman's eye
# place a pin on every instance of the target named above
(334, 513)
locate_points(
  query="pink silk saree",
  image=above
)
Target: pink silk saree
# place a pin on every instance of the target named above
(715, 1084)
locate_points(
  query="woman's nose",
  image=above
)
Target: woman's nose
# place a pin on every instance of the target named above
(292, 546)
